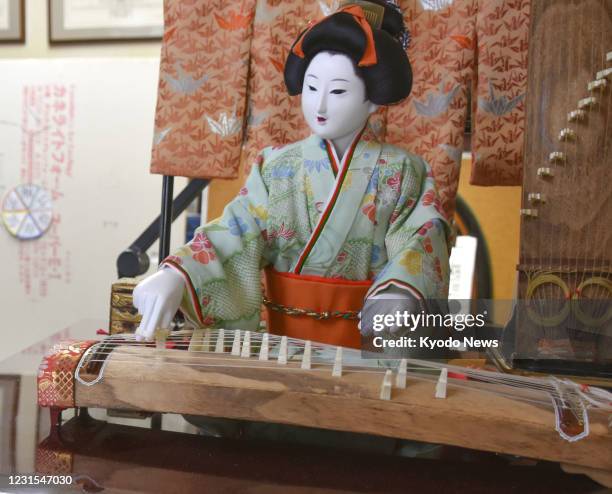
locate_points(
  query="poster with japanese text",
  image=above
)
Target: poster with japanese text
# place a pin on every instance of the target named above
(75, 188)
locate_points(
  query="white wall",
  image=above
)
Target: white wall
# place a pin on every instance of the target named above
(110, 197)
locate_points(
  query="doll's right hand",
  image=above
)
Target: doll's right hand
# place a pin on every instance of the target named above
(157, 299)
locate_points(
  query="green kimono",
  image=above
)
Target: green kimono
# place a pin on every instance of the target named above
(374, 216)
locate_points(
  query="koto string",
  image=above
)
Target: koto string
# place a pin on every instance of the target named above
(548, 301)
(596, 269)
(508, 380)
(487, 377)
(589, 124)
(330, 349)
(607, 46)
(419, 377)
(553, 241)
(597, 290)
(571, 167)
(270, 365)
(576, 171)
(571, 103)
(545, 307)
(539, 261)
(584, 150)
(413, 375)
(602, 292)
(580, 176)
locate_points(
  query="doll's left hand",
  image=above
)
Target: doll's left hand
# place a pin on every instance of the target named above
(390, 303)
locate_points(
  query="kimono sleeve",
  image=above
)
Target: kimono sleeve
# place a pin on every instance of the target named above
(221, 265)
(416, 240)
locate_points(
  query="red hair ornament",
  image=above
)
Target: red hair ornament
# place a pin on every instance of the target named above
(369, 55)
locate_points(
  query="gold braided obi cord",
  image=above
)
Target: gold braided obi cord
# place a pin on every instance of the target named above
(314, 308)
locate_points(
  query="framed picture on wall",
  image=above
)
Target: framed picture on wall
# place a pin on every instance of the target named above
(12, 21)
(105, 20)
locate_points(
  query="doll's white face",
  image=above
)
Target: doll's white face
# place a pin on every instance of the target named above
(333, 97)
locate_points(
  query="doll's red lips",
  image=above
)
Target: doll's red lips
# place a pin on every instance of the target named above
(321, 119)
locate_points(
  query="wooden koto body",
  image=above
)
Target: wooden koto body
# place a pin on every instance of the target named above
(473, 415)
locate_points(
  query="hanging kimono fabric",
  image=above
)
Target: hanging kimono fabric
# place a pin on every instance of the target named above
(221, 73)
(204, 66)
(301, 215)
(455, 44)
(498, 94)
(431, 123)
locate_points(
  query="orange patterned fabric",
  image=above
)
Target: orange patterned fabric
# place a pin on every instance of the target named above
(56, 373)
(498, 121)
(202, 88)
(455, 44)
(431, 122)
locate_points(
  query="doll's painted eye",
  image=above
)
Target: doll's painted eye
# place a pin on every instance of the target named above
(312, 88)
(338, 91)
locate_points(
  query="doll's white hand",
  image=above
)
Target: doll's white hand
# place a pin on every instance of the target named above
(392, 302)
(157, 299)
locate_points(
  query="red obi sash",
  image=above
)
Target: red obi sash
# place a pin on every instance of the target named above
(314, 308)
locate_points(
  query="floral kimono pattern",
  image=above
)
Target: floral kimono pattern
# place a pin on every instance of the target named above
(375, 216)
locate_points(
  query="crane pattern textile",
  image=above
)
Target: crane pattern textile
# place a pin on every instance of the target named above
(222, 97)
(375, 217)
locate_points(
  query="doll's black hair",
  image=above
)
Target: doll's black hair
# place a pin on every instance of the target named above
(387, 82)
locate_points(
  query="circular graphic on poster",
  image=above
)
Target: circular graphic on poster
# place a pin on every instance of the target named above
(27, 211)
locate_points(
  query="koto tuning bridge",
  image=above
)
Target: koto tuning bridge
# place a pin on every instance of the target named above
(603, 74)
(576, 116)
(385, 388)
(587, 103)
(545, 172)
(529, 213)
(161, 335)
(597, 85)
(557, 157)
(567, 134)
(536, 198)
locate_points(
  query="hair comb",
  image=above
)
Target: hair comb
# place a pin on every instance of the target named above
(373, 12)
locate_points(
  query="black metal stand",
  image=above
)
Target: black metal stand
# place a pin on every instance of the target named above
(134, 260)
(165, 218)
